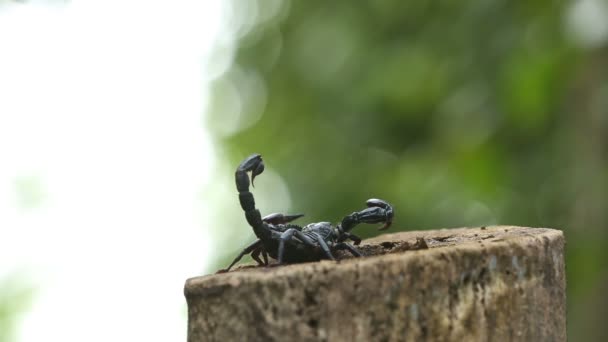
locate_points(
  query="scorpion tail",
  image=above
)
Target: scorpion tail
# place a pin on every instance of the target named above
(255, 165)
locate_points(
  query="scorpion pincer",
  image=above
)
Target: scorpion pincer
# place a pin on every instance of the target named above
(290, 243)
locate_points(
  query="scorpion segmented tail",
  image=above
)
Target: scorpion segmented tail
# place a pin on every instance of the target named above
(255, 165)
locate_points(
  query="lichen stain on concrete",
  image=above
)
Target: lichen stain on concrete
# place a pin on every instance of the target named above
(521, 270)
(414, 311)
(492, 263)
(557, 265)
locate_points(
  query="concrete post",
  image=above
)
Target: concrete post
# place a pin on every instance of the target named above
(499, 283)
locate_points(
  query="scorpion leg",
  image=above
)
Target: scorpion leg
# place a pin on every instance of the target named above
(348, 247)
(256, 256)
(265, 257)
(356, 240)
(254, 246)
(272, 219)
(288, 235)
(324, 247)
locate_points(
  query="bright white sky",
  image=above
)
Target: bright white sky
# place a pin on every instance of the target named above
(102, 159)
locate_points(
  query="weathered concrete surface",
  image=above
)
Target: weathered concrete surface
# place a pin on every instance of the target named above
(471, 284)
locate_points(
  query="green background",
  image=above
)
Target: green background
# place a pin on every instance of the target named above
(459, 113)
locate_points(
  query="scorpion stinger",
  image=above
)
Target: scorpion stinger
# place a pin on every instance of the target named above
(259, 168)
(287, 242)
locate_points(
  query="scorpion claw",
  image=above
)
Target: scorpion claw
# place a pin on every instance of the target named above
(374, 202)
(289, 218)
(277, 218)
(378, 211)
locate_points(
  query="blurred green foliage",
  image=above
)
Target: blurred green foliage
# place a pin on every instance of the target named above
(460, 113)
(16, 295)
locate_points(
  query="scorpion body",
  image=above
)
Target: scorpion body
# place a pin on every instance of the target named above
(290, 243)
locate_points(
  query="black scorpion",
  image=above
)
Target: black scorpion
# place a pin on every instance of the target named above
(290, 243)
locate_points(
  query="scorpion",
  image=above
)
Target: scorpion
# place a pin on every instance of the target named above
(290, 243)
